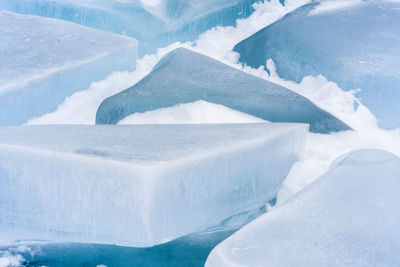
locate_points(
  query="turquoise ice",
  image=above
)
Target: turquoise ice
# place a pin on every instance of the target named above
(137, 185)
(356, 47)
(185, 76)
(44, 60)
(349, 217)
(154, 23)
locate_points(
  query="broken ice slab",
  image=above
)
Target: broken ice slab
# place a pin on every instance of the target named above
(184, 76)
(138, 185)
(349, 217)
(43, 61)
(353, 43)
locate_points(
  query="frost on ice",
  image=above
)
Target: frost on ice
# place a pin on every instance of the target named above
(349, 217)
(353, 43)
(138, 185)
(184, 76)
(45, 60)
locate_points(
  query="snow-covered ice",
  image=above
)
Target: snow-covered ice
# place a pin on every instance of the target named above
(45, 60)
(348, 217)
(352, 43)
(184, 76)
(138, 185)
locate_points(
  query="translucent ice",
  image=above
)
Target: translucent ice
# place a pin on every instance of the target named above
(154, 23)
(185, 76)
(43, 61)
(349, 217)
(138, 185)
(353, 43)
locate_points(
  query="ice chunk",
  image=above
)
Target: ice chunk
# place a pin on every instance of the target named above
(349, 217)
(353, 43)
(138, 185)
(185, 76)
(154, 23)
(45, 60)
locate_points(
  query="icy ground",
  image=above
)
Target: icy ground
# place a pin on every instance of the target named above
(321, 150)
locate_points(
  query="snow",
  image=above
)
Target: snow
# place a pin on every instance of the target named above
(203, 78)
(138, 185)
(45, 60)
(191, 113)
(349, 217)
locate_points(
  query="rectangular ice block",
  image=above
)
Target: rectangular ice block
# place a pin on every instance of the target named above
(43, 61)
(138, 185)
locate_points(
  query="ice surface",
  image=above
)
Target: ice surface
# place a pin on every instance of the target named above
(184, 76)
(138, 185)
(154, 23)
(352, 43)
(349, 217)
(45, 60)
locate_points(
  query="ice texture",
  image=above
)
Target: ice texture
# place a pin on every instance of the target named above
(184, 76)
(45, 60)
(138, 185)
(352, 43)
(349, 217)
(154, 23)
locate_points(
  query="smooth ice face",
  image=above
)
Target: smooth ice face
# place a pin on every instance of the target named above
(185, 76)
(45, 60)
(138, 185)
(349, 217)
(352, 43)
(154, 23)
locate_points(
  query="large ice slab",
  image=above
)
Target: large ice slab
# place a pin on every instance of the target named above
(349, 217)
(45, 60)
(353, 43)
(154, 23)
(184, 76)
(138, 185)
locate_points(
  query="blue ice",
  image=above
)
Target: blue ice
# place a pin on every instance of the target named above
(185, 76)
(44, 60)
(356, 47)
(138, 185)
(349, 217)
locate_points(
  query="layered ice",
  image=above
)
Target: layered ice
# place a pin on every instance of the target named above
(138, 185)
(349, 217)
(45, 60)
(184, 76)
(154, 23)
(353, 43)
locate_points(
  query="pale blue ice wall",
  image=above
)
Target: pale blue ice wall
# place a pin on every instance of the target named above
(357, 47)
(138, 185)
(43, 61)
(185, 76)
(181, 20)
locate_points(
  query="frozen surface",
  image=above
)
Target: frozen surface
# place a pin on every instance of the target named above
(352, 43)
(194, 112)
(138, 185)
(349, 217)
(45, 60)
(184, 76)
(154, 23)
